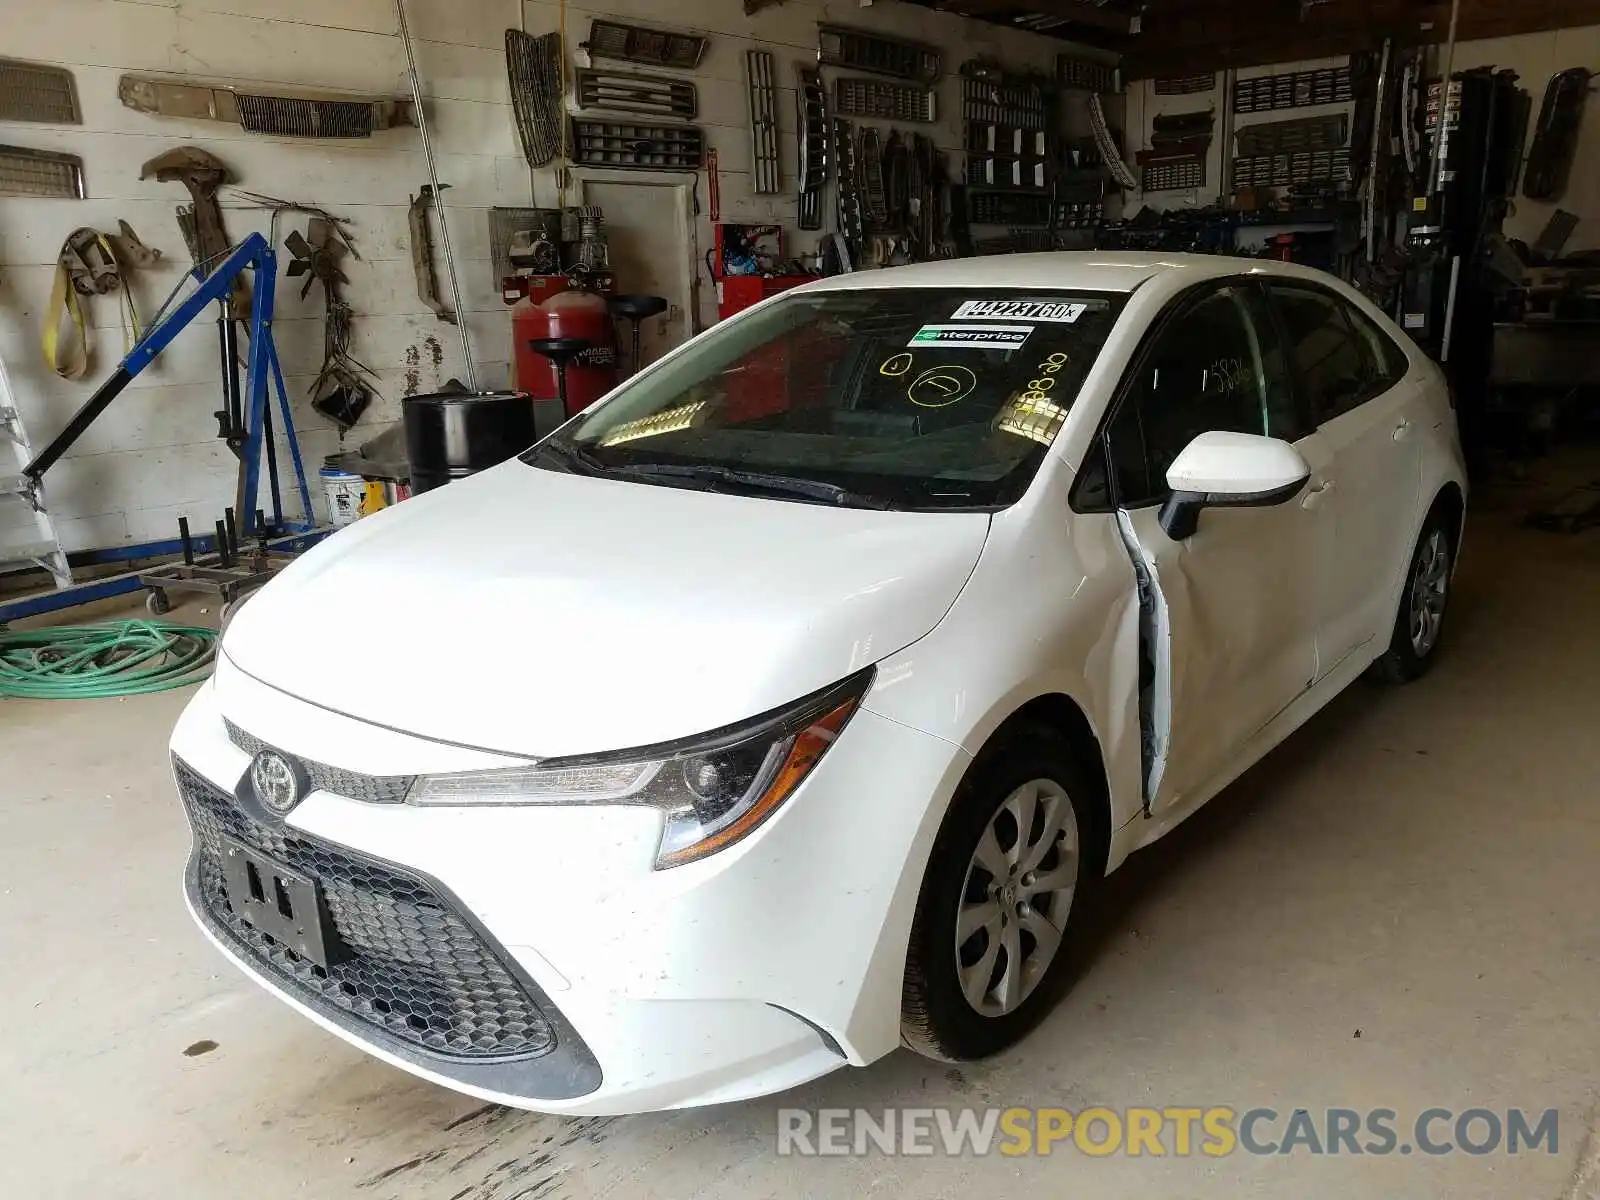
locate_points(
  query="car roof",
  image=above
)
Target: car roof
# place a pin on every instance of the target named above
(1063, 270)
(1069, 270)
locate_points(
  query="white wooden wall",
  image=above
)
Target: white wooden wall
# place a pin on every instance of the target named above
(152, 455)
(789, 32)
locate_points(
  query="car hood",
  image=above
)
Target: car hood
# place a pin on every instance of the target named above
(536, 613)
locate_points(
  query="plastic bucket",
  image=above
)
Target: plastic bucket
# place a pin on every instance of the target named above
(347, 496)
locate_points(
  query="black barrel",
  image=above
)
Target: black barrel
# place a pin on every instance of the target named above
(454, 434)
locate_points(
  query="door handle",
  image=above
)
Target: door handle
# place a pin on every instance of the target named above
(1402, 431)
(1318, 494)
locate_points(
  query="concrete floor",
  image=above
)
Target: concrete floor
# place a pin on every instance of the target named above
(1421, 866)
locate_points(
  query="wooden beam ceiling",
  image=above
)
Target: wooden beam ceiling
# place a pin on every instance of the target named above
(1072, 12)
(1175, 37)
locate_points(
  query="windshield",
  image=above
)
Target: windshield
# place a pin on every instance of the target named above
(905, 398)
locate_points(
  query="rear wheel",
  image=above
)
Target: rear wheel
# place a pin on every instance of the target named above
(1419, 624)
(1002, 899)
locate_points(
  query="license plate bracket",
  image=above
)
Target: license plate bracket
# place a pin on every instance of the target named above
(279, 902)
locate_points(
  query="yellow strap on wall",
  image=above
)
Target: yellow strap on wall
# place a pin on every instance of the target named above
(63, 295)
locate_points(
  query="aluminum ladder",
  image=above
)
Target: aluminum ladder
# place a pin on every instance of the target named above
(27, 534)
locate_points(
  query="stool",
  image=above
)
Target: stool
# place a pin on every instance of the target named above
(560, 351)
(636, 309)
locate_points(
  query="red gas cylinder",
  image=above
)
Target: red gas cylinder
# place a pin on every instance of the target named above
(570, 314)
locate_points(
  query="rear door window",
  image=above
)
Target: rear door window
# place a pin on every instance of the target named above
(1338, 368)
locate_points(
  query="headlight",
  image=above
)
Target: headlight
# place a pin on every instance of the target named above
(714, 789)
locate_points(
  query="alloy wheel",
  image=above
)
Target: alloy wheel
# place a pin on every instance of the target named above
(1430, 588)
(1017, 897)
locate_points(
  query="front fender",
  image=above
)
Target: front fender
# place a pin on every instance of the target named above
(1051, 610)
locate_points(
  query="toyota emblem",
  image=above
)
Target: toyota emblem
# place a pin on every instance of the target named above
(277, 781)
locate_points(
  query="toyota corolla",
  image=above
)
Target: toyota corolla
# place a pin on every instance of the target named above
(790, 705)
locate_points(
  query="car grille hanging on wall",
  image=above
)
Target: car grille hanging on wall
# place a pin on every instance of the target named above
(533, 67)
(279, 113)
(888, 101)
(28, 172)
(762, 89)
(637, 147)
(852, 222)
(812, 104)
(630, 92)
(37, 92)
(636, 44)
(841, 46)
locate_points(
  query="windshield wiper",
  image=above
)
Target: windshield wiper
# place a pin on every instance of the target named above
(814, 490)
(574, 457)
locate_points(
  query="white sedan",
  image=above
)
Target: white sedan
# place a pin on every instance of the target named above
(789, 705)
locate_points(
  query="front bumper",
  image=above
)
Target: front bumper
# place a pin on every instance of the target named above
(760, 968)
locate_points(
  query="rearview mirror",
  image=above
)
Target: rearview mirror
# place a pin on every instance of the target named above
(1229, 470)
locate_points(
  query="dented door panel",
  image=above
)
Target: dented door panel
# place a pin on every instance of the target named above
(1231, 623)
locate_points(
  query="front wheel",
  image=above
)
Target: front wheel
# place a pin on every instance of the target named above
(1419, 624)
(1005, 889)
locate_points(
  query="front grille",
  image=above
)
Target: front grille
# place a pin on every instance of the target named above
(374, 789)
(412, 967)
(292, 116)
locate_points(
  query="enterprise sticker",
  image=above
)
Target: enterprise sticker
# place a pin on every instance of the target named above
(972, 337)
(1019, 310)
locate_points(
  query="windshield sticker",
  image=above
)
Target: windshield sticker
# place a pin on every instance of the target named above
(896, 366)
(972, 337)
(1047, 311)
(940, 387)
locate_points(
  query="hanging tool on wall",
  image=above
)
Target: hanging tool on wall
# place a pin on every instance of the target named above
(341, 392)
(422, 254)
(713, 187)
(201, 173)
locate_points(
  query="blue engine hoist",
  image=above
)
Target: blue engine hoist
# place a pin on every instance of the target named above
(246, 422)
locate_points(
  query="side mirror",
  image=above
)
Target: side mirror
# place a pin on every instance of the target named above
(1229, 470)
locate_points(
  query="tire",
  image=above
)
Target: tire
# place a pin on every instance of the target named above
(937, 1018)
(1414, 644)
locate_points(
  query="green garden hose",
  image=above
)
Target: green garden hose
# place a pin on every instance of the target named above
(118, 658)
